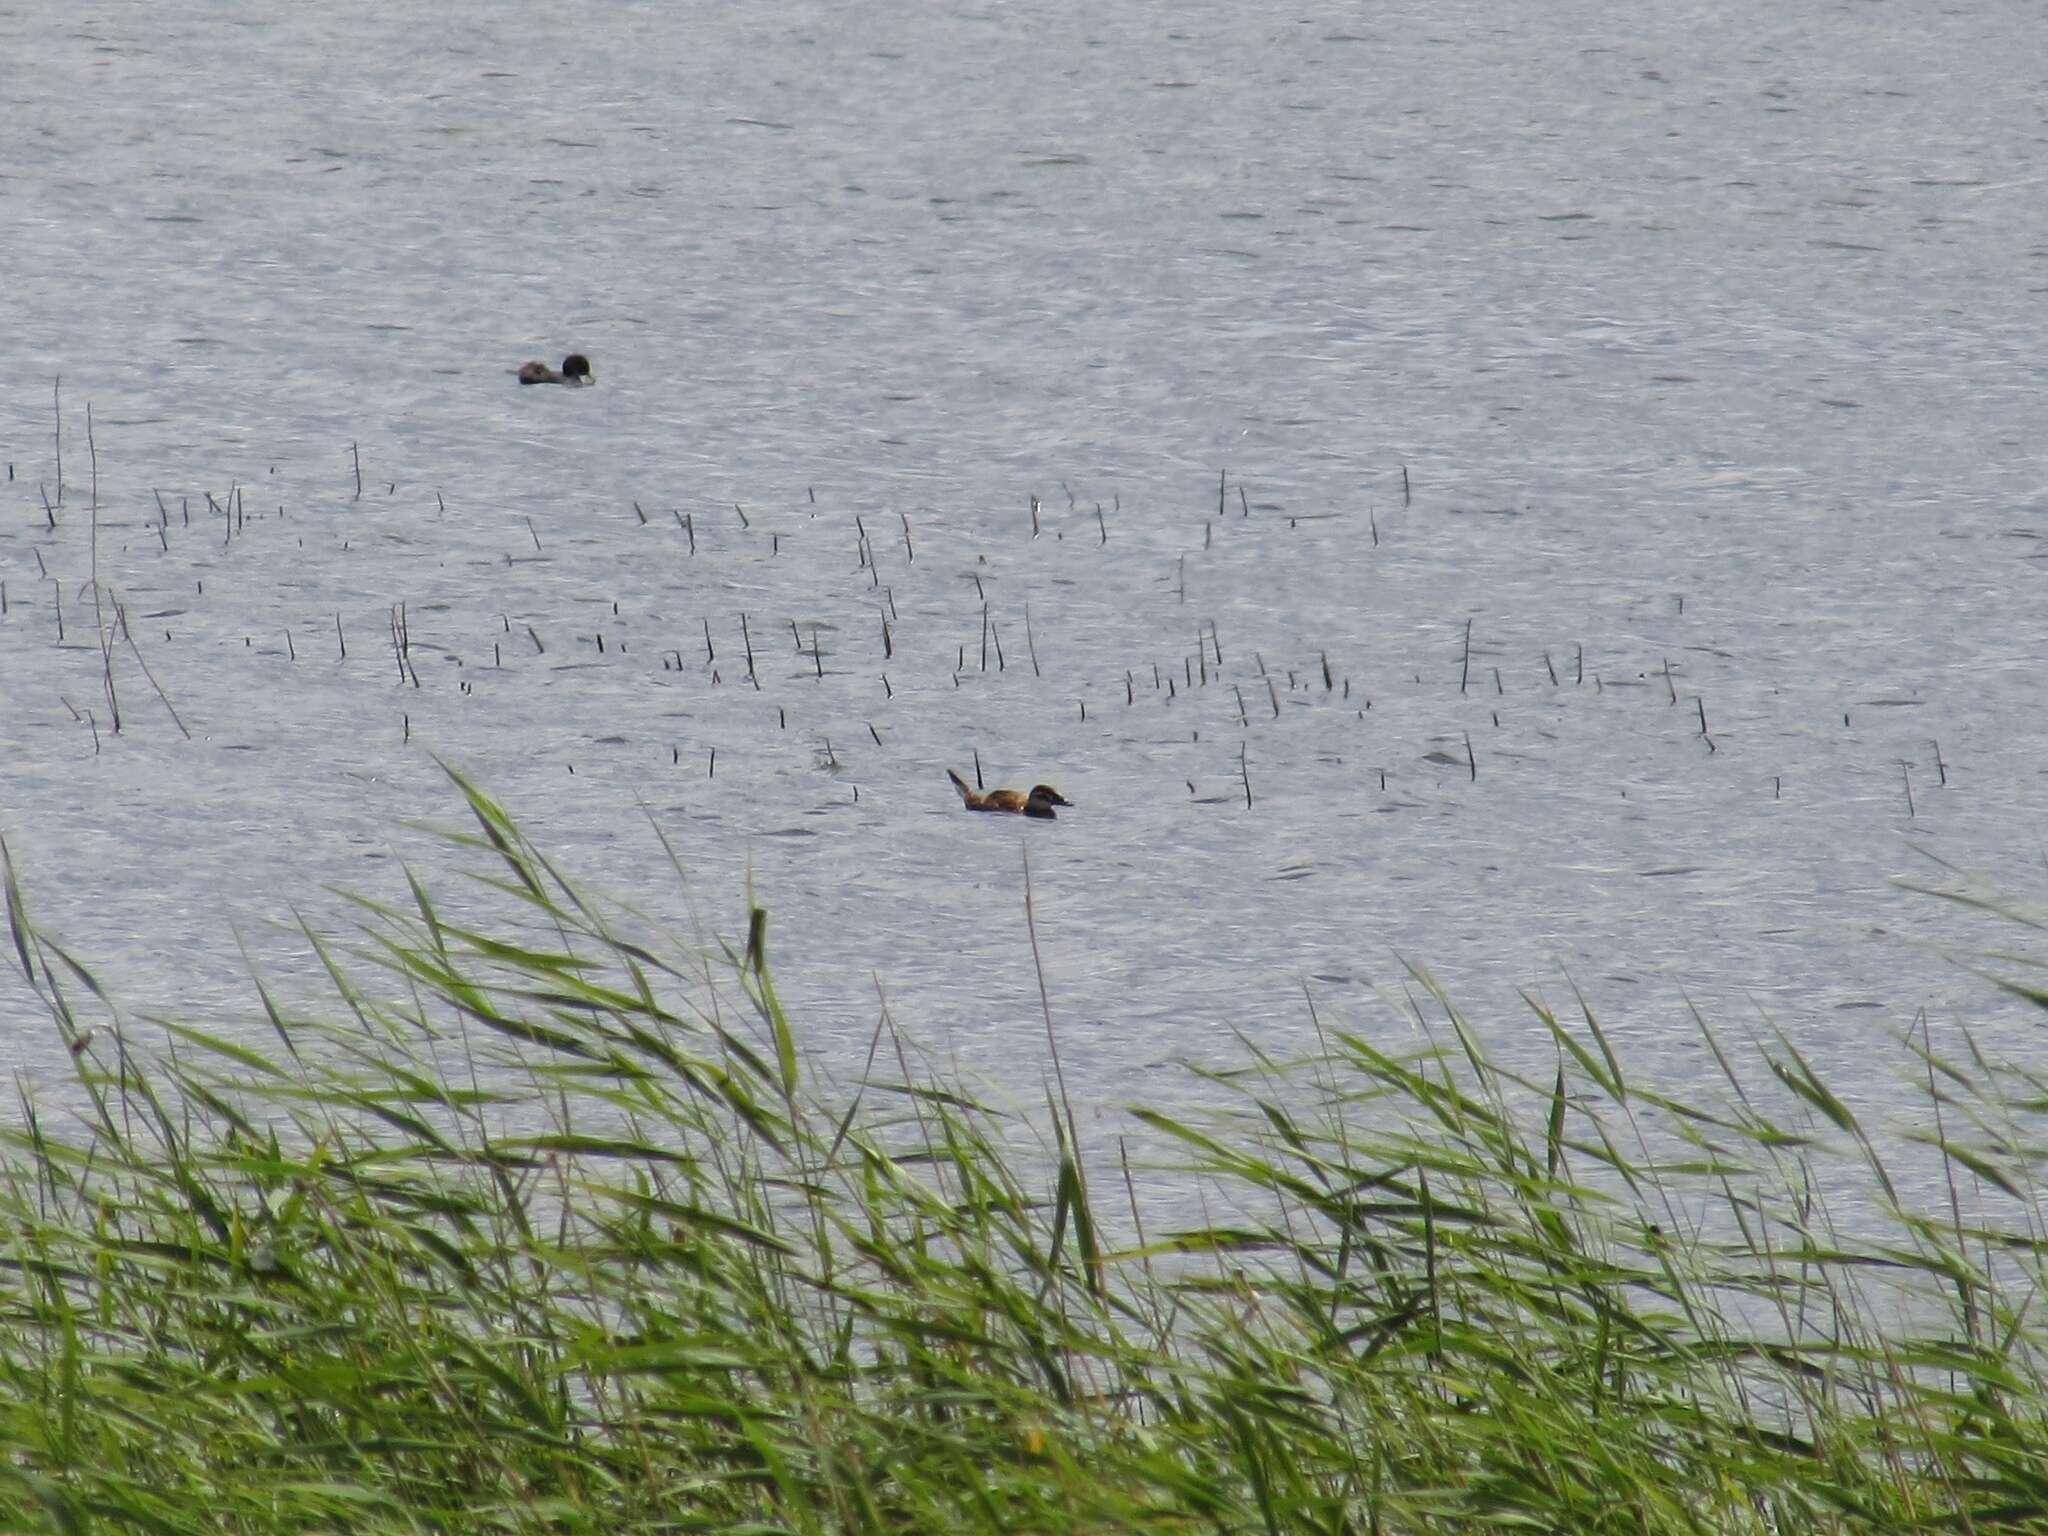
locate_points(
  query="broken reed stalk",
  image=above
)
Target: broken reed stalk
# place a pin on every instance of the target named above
(57, 414)
(1030, 644)
(121, 616)
(356, 455)
(99, 622)
(1465, 672)
(401, 639)
(747, 638)
(1244, 772)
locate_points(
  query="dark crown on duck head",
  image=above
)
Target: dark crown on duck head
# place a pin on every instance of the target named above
(576, 366)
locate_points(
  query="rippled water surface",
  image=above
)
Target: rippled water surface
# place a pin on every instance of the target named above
(1688, 356)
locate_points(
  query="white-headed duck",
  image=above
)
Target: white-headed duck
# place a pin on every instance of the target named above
(575, 371)
(1038, 802)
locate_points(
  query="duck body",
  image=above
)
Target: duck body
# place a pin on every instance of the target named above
(575, 372)
(1038, 802)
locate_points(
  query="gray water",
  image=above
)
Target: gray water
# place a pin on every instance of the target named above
(1689, 354)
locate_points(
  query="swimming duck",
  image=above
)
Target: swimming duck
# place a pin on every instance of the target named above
(1039, 802)
(575, 371)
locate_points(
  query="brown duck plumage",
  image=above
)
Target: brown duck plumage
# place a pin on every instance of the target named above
(1039, 802)
(575, 371)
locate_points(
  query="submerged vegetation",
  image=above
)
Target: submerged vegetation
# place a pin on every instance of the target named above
(549, 1229)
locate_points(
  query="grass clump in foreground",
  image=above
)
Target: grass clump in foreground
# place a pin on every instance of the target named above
(563, 1239)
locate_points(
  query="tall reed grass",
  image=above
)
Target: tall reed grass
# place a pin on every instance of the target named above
(548, 1230)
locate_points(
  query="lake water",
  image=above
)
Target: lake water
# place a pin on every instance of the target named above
(1690, 355)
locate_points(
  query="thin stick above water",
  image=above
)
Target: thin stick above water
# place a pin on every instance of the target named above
(99, 622)
(121, 616)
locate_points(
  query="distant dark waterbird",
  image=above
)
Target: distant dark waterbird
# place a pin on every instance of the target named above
(575, 372)
(1039, 802)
